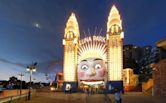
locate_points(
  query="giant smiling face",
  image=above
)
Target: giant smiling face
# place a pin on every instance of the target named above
(91, 69)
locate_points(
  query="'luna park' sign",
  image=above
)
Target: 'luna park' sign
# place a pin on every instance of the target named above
(93, 39)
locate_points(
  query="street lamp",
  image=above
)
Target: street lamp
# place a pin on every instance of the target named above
(31, 69)
(46, 75)
(21, 75)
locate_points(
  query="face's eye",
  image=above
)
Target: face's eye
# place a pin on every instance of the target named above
(97, 66)
(84, 67)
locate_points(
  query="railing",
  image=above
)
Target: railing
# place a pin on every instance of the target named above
(147, 85)
(12, 98)
(11, 95)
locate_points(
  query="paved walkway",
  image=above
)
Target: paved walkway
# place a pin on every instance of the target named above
(58, 97)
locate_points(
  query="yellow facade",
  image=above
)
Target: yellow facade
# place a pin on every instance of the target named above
(115, 45)
(130, 79)
(71, 42)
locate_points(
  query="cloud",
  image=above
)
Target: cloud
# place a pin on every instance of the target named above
(13, 63)
(50, 67)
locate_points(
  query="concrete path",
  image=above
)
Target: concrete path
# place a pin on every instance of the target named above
(58, 97)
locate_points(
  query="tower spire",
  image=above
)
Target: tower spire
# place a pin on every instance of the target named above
(71, 44)
(115, 45)
(72, 26)
(114, 19)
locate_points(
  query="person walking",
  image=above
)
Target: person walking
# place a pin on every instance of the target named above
(118, 96)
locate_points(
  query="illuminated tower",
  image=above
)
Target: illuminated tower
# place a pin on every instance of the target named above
(114, 38)
(71, 42)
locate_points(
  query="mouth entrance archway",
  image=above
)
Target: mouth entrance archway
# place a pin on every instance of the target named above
(92, 87)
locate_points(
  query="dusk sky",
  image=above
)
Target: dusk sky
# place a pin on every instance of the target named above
(32, 30)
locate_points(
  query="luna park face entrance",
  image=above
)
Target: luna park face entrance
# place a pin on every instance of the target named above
(92, 87)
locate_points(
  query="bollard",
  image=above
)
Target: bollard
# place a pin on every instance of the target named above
(29, 95)
(11, 99)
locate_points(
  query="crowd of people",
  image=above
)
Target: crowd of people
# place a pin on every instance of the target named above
(93, 90)
(117, 92)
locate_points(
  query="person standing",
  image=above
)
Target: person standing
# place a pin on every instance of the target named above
(118, 96)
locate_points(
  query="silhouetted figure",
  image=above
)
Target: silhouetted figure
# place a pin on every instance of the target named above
(118, 95)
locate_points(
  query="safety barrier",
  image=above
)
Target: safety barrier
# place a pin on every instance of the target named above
(11, 95)
(147, 85)
(12, 98)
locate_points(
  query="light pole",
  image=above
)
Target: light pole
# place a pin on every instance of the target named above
(31, 69)
(21, 75)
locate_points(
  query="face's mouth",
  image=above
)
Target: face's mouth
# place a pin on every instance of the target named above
(93, 82)
(90, 80)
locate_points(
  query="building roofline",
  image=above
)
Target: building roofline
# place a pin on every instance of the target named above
(161, 43)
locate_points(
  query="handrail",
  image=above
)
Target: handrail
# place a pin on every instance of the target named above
(11, 98)
(147, 85)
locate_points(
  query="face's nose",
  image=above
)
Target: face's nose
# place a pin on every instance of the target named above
(92, 72)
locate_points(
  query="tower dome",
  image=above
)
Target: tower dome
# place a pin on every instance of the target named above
(114, 19)
(72, 27)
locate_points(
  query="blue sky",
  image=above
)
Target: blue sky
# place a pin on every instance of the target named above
(22, 42)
